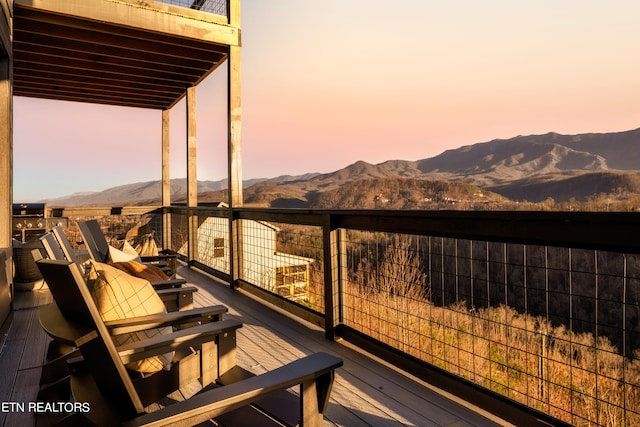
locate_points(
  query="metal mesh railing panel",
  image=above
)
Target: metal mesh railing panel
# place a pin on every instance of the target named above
(285, 259)
(553, 328)
(213, 243)
(216, 7)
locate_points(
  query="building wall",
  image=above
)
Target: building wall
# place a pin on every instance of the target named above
(260, 261)
(258, 250)
(211, 251)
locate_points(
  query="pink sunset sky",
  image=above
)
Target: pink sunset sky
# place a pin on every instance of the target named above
(327, 83)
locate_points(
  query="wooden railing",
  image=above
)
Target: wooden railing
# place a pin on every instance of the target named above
(533, 315)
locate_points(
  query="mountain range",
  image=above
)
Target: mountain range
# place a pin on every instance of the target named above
(531, 168)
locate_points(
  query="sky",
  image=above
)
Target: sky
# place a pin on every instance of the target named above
(328, 83)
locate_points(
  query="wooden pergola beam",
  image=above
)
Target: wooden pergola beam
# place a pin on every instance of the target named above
(189, 23)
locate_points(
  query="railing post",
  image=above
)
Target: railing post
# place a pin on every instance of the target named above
(235, 249)
(192, 252)
(166, 228)
(333, 244)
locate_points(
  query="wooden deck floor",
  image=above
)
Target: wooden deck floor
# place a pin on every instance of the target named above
(367, 392)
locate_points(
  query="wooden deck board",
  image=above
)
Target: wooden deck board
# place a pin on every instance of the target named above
(21, 357)
(366, 391)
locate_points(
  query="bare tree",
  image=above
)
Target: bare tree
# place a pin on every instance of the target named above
(400, 271)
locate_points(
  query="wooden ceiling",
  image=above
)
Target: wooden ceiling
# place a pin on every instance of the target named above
(73, 58)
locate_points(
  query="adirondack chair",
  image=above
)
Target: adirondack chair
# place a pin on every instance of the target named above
(67, 321)
(61, 349)
(174, 299)
(99, 248)
(114, 398)
(172, 292)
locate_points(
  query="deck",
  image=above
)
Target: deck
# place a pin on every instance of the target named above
(367, 392)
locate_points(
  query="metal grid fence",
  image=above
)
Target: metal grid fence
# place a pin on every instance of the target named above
(216, 7)
(285, 259)
(553, 326)
(556, 329)
(179, 239)
(117, 228)
(213, 243)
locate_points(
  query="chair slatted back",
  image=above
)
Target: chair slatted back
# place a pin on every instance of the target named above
(74, 300)
(94, 240)
(65, 245)
(51, 246)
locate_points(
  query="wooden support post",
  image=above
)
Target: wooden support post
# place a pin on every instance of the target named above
(234, 148)
(6, 150)
(234, 143)
(166, 178)
(235, 164)
(6, 159)
(166, 158)
(192, 179)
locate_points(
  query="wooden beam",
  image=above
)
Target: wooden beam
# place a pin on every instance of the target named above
(80, 89)
(62, 58)
(82, 50)
(92, 98)
(159, 19)
(36, 77)
(53, 30)
(138, 80)
(117, 52)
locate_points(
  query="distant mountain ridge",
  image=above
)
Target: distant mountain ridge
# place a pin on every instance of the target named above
(531, 168)
(534, 154)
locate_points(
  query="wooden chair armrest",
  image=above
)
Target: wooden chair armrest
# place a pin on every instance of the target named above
(159, 257)
(176, 291)
(315, 373)
(168, 262)
(171, 283)
(177, 299)
(181, 339)
(174, 318)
